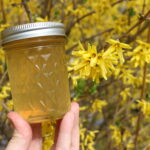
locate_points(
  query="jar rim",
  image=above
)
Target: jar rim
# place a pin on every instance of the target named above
(30, 30)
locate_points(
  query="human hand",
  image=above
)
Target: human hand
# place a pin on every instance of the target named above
(28, 137)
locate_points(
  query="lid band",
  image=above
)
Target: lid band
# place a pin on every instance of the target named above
(31, 30)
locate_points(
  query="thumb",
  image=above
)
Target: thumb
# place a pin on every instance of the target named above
(22, 134)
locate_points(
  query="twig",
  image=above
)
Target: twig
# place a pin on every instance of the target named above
(89, 38)
(3, 11)
(132, 38)
(3, 78)
(1, 82)
(44, 11)
(119, 1)
(49, 9)
(27, 10)
(86, 15)
(143, 11)
(135, 25)
(146, 148)
(74, 4)
(77, 21)
(5, 106)
(142, 97)
(143, 8)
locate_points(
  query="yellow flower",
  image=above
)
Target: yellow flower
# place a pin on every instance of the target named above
(10, 104)
(125, 93)
(39, 19)
(2, 55)
(127, 77)
(48, 131)
(140, 54)
(90, 64)
(118, 136)
(118, 47)
(82, 108)
(145, 106)
(98, 105)
(87, 138)
(3, 26)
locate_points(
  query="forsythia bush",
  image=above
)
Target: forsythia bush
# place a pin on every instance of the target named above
(108, 55)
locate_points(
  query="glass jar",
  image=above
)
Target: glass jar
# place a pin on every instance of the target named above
(35, 55)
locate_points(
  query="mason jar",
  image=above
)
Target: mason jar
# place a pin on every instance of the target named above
(35, 55)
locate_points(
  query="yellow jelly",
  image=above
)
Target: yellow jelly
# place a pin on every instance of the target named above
(38, 77)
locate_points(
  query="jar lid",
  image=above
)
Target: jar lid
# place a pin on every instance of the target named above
(31, 30)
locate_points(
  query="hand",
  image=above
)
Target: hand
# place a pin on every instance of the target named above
(28, 137)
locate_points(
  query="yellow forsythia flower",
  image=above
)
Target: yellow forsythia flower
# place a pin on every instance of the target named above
(39, 19)
(120, 136)
(48, 132)
(87, 138)
(90, 64)
(140, 54)
(98, 105)
(3, 26)
(118, 47)
(125, 94)
(145, 106)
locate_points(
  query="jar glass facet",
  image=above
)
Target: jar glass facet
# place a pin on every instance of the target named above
(38, 77)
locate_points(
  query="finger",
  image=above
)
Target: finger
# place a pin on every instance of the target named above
(36, 142)
(64, 137)
(75, 132)
(22, 135)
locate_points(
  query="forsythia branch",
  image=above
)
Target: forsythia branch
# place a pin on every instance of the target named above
(84, 16)
(77, 21)
(24, 3)
(3, 11)
(3, 77)
(142, 19)
(141, 30)
(142, 97)
(89, 38)
(1, 82)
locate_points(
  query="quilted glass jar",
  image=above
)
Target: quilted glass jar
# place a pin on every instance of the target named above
(35, 55)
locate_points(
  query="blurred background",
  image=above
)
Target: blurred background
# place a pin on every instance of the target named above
(108, 56)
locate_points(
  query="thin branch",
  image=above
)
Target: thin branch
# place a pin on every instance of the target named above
(89, 38)
(63, 12)
(142, 19)
(27, 10)
(140, 113)
(119, 1)
(143, 11)
(49, 9)
(5, 106)
(77, 21)
(3, 11)
(74, 4)
(3, 77)
(86, 15)
(44, 10)
(139, 120)
(141, 30)
(143, 8)
(147, 147)
(1, 82)
(98, 34)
